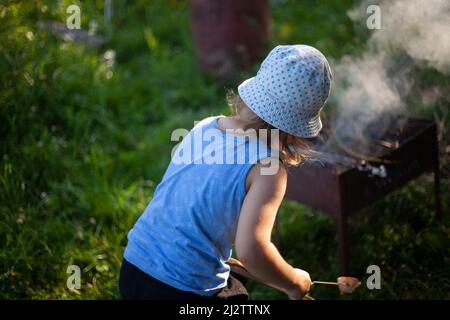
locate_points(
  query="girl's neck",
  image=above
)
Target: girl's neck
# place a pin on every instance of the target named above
(246, 115)
(238, 121)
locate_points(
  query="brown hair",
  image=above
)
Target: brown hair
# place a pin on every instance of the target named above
(301, 146)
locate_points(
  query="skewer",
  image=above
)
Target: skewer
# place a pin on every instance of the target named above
(346, 285)
(325, 282)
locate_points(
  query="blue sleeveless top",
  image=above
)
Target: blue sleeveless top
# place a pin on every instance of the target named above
(186, 233)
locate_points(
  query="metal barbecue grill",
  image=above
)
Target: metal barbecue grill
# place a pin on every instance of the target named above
(349, 171)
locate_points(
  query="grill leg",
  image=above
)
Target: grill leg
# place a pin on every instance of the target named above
(437, 179)
(437, 191)
(341, 233)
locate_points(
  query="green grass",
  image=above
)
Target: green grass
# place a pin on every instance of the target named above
(81, 152)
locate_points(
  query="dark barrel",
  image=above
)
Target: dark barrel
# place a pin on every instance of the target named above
(229, 36)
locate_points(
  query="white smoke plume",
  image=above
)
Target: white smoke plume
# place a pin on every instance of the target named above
(419, 28)
(414, 34)
(364, 84)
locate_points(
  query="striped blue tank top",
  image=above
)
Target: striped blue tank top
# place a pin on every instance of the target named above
(186, 233)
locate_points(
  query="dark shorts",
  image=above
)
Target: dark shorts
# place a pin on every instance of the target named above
(135, 284)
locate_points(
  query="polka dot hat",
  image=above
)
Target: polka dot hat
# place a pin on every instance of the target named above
(290, 89)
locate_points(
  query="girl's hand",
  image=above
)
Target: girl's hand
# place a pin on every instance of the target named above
(301, 286)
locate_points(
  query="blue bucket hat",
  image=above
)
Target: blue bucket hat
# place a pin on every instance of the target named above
(290, 89)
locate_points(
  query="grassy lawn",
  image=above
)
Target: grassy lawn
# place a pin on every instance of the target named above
(85, 138)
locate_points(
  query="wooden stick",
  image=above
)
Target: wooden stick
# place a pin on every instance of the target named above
(325, 282)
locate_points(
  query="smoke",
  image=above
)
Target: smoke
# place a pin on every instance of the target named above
(381, 80)
(419, 28)
(365, 84)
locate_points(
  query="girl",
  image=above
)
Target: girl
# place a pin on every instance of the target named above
(178, 248)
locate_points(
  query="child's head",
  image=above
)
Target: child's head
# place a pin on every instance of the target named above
(288, 93)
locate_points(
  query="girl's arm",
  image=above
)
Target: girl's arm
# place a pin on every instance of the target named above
(253, 238)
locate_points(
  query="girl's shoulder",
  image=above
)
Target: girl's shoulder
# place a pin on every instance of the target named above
(269, 172)
(206, 121)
